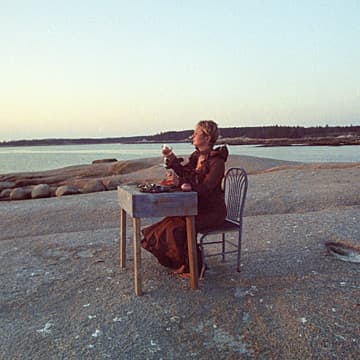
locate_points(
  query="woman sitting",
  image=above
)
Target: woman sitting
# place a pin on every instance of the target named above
(203, 173)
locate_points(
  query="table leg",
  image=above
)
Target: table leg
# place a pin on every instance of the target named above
(122, 239)
(137, 256)
(192, 252)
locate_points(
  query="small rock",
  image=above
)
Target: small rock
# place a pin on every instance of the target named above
(245, 317)
(96, 333)
(40, 191)
(175, 319)
(86, 253)
(66, 190)
(103, 161)
(20, 194)
(46, 329)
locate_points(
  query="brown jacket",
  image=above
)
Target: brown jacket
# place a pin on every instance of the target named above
(206, 180)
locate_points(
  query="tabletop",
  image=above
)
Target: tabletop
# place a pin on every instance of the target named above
(139, 204)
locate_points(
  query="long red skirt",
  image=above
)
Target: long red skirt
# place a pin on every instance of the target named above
(167, 240)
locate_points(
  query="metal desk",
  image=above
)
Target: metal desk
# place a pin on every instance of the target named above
(142, 205)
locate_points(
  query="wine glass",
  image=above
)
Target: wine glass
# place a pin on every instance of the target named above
(166, 151)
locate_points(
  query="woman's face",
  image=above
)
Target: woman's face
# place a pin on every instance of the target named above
(199, 138)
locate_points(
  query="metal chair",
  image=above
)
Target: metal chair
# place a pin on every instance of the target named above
(235, 187)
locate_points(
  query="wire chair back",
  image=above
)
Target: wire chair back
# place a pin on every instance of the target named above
(235, 188)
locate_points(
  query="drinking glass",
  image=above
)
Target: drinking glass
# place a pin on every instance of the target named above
(166, 150)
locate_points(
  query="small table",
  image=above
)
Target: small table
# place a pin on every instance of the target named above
(139, 205)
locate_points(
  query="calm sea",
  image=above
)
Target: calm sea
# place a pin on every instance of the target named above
(37, 158)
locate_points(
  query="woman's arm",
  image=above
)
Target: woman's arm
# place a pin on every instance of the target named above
(183, 171)
(212, 179)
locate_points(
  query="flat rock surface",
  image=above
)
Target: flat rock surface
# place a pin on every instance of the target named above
(63, 295)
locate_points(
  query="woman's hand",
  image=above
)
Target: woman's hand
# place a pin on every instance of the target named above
(171, 177)
(166, 151)
(186, 187)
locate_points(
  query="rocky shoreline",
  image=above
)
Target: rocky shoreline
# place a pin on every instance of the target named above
(108, 174)
(101, 175)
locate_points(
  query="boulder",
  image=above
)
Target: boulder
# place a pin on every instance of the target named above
(66, 190)
(20, 194)
(111, 183)
(41, 191)
(53, 190)
(5, 194)
(6, 185)
(93, 185)
(103, 161)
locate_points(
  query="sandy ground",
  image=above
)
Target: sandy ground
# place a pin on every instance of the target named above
(63, 295)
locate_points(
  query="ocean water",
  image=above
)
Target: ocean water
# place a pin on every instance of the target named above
(38, 158)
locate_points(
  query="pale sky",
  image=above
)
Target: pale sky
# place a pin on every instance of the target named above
(119, 68)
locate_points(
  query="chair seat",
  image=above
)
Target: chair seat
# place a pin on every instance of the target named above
(226, 226)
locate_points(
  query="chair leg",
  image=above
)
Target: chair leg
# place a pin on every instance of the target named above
(202, 272)
(204, 266)
(239, 252)
(223, 247)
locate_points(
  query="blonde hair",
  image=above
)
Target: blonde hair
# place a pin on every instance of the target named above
(210, 128)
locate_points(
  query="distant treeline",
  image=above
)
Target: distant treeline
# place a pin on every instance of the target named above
(256, 132)
(267, 132)
(276, 132)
